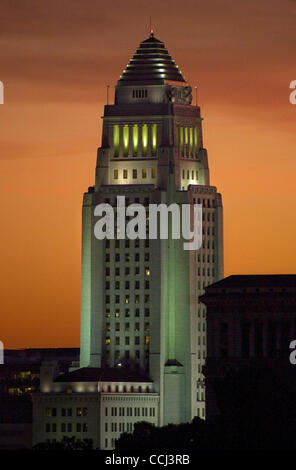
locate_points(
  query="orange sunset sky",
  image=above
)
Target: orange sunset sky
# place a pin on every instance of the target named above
(57, 56)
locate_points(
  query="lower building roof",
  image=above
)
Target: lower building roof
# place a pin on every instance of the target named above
(109, 374)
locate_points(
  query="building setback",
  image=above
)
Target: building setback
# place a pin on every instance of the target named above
(140, 312)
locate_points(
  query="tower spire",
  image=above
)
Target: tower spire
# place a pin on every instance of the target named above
(151, 31)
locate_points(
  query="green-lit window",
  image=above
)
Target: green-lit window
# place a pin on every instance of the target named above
(182, 140)
(154, 139)
(116, 174)
(125, 140)
(144, 139)
(186, 141)
(191, 141)
(135, 139)
(153, 173)
(177, 136)
(116, 140)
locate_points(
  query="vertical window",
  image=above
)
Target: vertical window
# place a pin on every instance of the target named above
(186, 141)
(182, 140)
(116, 140)
(144, 173)
(135, 139)
(124, 174)
(135, 174)
(191, 141)
(154, 139)
(125, 140)
(144, 139)
(116, 174)
(153, 173)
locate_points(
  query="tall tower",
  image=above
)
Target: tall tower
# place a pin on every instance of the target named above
(139, 302)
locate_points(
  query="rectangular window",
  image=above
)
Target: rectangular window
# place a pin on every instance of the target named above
(135, 140)
(154, 139)
(135, 174)
(116, 174)
(153, 173)
(116, 140)
(144, 139)
(144, 173)
(125, 140)
(125, 173)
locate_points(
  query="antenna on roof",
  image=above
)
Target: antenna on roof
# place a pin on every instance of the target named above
(151, 29)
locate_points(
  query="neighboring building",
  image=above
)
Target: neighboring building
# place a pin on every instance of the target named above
(15, 422)
(139, 311)
(92, 403)
(19, 375)
(250, 318)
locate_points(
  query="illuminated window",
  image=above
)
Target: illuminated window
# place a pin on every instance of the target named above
(108, 341)
(117, 313)
(147, 340)
(144, 139)
(182, 140)
(186, 141)
(135, 140)
(144, 173)
(127, 299)
(153, 173)
(125, 140)
(154, 139)
(116, 140)
(116, 174)
(191, 141)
